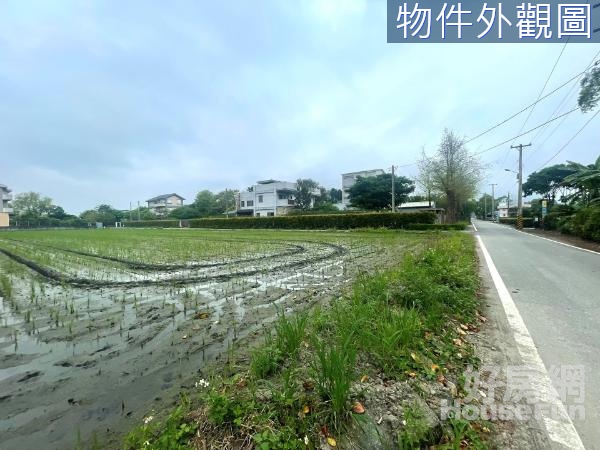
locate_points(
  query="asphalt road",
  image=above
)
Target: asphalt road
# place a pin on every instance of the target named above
(557, 292)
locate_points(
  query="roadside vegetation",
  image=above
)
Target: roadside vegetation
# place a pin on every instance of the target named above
(317, 378)
(572, 195)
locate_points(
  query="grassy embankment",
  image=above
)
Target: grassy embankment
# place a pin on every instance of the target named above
(302, 387)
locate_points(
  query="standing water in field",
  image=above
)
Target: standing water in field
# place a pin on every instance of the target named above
(97, 328)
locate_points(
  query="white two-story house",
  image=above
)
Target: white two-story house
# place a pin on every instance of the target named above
(268, 198)
(164, 204)
(5, 209)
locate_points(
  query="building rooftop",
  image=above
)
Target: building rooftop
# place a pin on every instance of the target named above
(363, 171)
(164, 197)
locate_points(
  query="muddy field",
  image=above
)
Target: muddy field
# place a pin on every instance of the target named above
(99, 327)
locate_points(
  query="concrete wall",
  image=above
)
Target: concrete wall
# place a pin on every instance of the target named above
(4, 219)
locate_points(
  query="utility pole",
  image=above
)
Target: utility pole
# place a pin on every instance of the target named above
(393, 191)
(484, 206)
(508, 204)
(139, 211)
(520, 193)
(130, 211)
(493, 209)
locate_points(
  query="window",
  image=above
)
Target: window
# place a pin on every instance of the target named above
(243, 203)
(250, 203)
(282, 196)
(257, 214)
(270, 214)
(260, 199)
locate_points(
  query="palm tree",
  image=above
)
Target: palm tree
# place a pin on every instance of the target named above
(587, 180)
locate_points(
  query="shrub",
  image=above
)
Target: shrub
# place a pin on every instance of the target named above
(528, 222)
(585, 223)
(306, 222)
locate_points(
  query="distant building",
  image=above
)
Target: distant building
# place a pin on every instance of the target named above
(504, 211)
(164, 204)
(348, 180)
(5, 209)
(268, 198)
(417, 205)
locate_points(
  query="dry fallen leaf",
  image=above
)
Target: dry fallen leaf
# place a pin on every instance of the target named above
(457, 342)
(435, 367)
(358, 408)
(464, 326)
(461, 332)
(411, 374)
(306, 409)
(331, 441)
(364, 378)
(308, 385)
(202, 315)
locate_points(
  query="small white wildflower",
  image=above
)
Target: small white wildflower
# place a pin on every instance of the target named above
(202, 383)
(147, 443)
(306, 442)
(148, 419)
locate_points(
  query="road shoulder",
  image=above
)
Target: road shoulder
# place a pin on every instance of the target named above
(495, 346)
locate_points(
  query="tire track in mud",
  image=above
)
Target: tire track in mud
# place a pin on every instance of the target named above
(57, 277)
(295, 250)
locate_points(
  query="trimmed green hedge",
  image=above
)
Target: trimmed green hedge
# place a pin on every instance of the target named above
(527, 221)
(172, 223)
(312, 222)
(437, 226)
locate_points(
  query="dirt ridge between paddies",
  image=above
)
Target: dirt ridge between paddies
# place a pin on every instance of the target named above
(295, 250)
(57, 277)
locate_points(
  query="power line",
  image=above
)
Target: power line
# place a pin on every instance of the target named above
(527, 132)
(546, 83)
(570, 140)
(508, 140)
(526, 108)
(561, 104)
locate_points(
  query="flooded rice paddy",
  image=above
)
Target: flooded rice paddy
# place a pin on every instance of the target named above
(98, 327)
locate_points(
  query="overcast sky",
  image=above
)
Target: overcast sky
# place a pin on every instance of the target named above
(118, 101)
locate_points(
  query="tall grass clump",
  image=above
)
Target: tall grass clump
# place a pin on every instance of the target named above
(6, 288)
(290, 333)
(266, 359)
(333, 369)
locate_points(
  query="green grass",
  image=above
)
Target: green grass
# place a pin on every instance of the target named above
(399, 320)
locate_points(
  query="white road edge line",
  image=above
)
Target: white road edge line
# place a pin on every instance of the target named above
(473, 225)
(561, 243)
(561, 431)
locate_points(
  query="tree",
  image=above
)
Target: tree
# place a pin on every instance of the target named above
(590, 89)
(373, 193)
(31, 205)
(56, 212)
(305, 192)
(548, 182)
(452, 172)
(184, 212)
(484, 206)
(586, 180)
(335, 195)
(225, 201)
(103, 213)
(205, 203)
